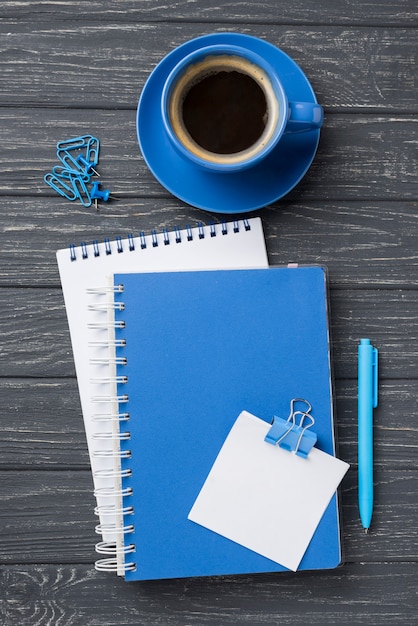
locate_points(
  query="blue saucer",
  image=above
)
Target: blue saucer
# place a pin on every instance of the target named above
(237, 192)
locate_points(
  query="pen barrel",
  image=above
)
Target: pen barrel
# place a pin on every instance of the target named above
(366, 358)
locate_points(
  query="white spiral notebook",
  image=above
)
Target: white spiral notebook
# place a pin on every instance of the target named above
(86, 272)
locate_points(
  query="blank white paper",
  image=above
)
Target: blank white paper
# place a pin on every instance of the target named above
(266, 498)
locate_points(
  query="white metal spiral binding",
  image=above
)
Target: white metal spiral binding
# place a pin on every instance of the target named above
(107, 547)
(112, 436)
(112, 454)
(100, 529)
(110, 497)
(108, 399)
(110, 565)
(109, 492)
(107, 343)
(122, 473)
(106, 306)
(101, 291)
(110, 510)
(110, 417)
(105, 325)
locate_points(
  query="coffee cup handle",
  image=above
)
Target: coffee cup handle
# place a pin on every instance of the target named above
(304, 116)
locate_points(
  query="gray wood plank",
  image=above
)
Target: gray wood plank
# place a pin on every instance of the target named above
(375, 594)
(56, 521)
(102, 65)
(207, 11)
(359, 157)
(42, 425)
(55, 517)
(37, 335)
(395, 437)
(36, 339)
(363, 243)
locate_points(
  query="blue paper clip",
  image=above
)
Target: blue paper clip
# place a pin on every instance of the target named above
(92, 152)
(81, 191)
(70, 162)
(75, 143)
(63, 172)
(70, 178)
(292, 436)
(60, 186)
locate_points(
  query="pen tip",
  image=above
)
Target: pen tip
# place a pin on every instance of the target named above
(366, 531)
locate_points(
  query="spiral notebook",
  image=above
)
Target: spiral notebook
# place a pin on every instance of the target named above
(86, 273)
(198, 349)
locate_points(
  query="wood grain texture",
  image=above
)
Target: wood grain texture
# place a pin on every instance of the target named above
(389, 12)
(349, 69)
(42, 425)
(76, 595)
(363, 243)
(55, 512)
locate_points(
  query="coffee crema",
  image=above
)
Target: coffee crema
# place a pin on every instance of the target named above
(223, 109)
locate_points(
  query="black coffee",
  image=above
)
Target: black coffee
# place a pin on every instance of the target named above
(225, 112)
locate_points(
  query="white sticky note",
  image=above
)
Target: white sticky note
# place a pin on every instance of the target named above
(266, 498)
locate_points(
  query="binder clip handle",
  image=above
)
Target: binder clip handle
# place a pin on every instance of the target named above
(293, 435)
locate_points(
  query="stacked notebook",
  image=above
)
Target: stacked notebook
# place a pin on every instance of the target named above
(186, 347)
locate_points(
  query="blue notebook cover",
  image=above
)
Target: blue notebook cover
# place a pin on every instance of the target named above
(200, 348)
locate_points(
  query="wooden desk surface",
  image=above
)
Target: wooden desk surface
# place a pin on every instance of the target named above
(69, 68)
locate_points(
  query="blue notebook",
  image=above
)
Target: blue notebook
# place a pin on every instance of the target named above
(199, 348)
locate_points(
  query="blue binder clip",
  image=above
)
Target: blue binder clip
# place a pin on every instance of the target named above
(290, 435)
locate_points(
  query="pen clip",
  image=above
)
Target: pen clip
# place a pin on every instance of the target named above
(375, 366)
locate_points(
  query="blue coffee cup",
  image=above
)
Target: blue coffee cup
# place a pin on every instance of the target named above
(225, 109)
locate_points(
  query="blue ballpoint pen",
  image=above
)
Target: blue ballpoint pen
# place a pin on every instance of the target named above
(367, 401)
